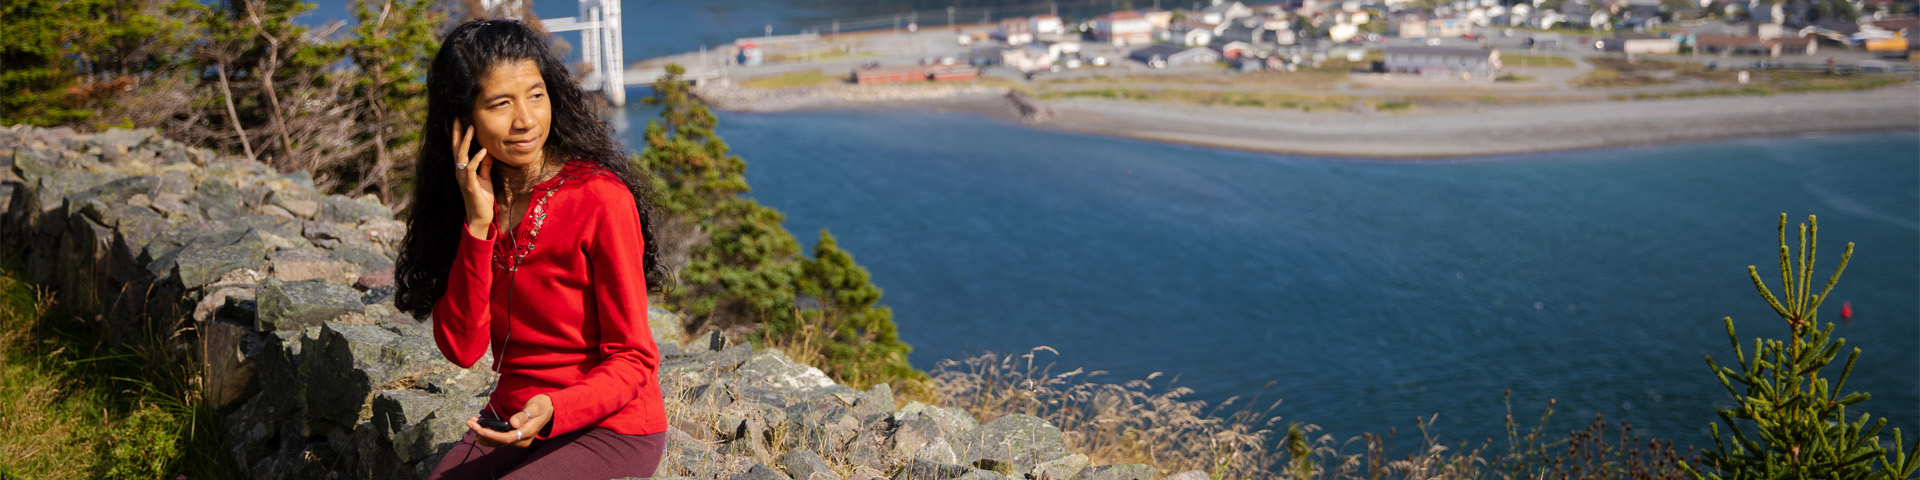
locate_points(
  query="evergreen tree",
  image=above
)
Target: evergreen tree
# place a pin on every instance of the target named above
(742, 271)
(61, 60)
(1788, 422)
(392, 43)
(862, 341)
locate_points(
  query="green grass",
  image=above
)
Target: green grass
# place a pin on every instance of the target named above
(808, 78)
(73, 407)
(1536, 61)
(1773, 83)
(817, 56)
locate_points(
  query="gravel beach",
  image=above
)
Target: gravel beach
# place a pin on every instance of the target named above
(1424, 133)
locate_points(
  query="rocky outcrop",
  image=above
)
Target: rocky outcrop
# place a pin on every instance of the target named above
(283, 296)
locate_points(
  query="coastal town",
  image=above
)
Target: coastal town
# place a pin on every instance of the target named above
(1182, 74)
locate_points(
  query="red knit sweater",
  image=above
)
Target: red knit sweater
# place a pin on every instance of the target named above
(579, 307)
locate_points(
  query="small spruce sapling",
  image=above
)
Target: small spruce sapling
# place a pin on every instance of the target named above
(1788, 421)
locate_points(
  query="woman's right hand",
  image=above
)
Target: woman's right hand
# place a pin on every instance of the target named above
(475, 180)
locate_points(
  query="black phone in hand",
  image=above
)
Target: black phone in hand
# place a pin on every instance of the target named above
(495, 425)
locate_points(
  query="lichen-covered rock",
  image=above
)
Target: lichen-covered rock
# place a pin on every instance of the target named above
(771, 369)
(299, 264)
(804, 464)
(397, 410)
(665, 326)
(1013, 443)
(369, 259)
(1128, 471)
(952, 421)
(338, 209)
(1063, 468)
(297, 305)
(873, 402)
(219, 199)
(927, 470)
(352, 361)
(760, 471)
(1188, 475)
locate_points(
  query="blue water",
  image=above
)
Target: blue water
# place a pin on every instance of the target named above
(1369, 292)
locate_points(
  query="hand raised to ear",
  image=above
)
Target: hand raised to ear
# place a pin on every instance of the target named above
(473, 172)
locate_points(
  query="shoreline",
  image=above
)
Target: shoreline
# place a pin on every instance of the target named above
(1431, 134)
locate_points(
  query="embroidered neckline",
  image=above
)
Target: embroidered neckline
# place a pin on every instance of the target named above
(516, 252)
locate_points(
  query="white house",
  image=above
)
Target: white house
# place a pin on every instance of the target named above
(1190, 35)
(1222, 12)
(1518, 14)
(1341, 32)
(1057, 50)
(1123, 29)
(1026, 59)
(1016, 31)
(1047, 24)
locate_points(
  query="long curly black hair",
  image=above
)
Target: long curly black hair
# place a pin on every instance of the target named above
(437, 212)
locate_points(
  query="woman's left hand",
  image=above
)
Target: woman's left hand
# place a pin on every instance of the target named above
(526, 424)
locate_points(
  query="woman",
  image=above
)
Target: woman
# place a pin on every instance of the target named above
(535, 244)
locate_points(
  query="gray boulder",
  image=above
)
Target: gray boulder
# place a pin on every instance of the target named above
(1063, 468)
(760, 472)
(1189, 475)
(952, 421)
(299, 264)
(353, 361)
(369, 259)
(804, 464)
(770, 369)
(926, 470)
(219, 199)
(665, 326)
(339, 209)
(1129, 471)
(295, 306)
(1014, 443)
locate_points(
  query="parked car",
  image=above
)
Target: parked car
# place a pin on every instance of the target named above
(1433, 42)
(1470, 37)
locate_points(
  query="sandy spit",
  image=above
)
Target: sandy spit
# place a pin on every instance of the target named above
(1429, 133)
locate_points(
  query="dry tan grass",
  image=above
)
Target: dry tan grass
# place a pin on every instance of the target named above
(1127, 422)
(1140, 421)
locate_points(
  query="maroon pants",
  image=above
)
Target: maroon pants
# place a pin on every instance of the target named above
(594, 453)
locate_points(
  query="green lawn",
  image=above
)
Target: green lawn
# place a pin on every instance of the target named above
(1536, 61)
(810, 78)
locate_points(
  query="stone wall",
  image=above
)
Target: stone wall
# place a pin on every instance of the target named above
(284, 296)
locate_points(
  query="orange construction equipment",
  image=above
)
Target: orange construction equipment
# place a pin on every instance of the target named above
(1894, 44)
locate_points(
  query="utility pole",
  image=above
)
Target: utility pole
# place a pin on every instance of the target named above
(950, 17)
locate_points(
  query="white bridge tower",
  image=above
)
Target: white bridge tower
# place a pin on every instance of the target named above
(599, 27)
